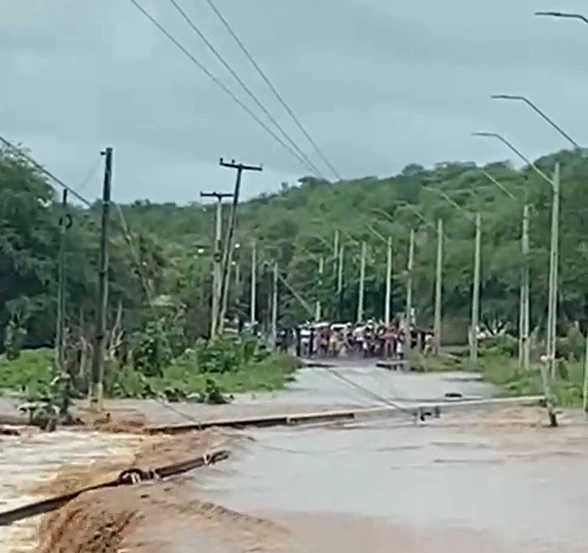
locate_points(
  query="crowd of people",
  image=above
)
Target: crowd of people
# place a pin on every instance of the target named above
(370, 340)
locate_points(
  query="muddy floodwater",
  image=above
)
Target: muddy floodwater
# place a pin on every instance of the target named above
(480, 479)
(483, 481)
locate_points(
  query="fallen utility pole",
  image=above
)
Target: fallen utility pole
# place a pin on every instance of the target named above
(411, 410)
(65, 223)
(229, 239)
(96, 387)
(217, 256)
(125, 478)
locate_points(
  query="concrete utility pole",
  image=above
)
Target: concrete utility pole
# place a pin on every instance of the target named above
(388, 295)
(340, 282)
(217, 257)
(476, 290)
(361, 294)
(524, 346)
(335, 251)
(229, 240)
(438, 288)
(585, 387)
(318, 305)
(96, 387)
(65, 223)
(253, 301)
(553, 275)
(275, 284)
(408, 317)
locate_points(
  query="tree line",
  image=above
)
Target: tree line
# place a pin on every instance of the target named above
(167, 249)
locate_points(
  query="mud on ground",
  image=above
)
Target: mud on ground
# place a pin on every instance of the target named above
(153, 516)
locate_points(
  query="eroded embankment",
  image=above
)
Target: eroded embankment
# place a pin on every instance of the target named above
(152, 516)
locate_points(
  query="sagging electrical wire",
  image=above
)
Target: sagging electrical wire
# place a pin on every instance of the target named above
(367, 391)
(267, 81)
(216, 80)
(46, 172)
(247, 90)
(123, 227)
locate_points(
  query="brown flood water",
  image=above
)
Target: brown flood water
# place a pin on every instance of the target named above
(480, 481)
(461, 482)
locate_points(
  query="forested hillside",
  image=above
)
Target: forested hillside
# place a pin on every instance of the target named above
(167, 252)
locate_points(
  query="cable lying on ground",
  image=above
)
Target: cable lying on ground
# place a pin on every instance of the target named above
(125, 478)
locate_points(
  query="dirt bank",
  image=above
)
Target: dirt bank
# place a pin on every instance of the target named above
(151, 517)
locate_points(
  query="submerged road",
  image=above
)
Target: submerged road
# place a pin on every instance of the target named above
(480, 481)
(498, 481)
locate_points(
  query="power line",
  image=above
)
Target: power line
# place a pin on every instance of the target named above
(44, 171)
(367, 391)
(227, 66)
(123, 226)
(272, 87)
(217, 81)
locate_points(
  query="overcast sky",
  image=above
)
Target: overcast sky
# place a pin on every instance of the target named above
(378, 84)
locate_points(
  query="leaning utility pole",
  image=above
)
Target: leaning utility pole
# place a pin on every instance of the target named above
(360, 299)
(318, 305)
(408, 316)
(253, 306)
(217, 257)
(229, 240)
(438, 288)
(388, 295)
(96, 387)
(476, 290)
(64, 224)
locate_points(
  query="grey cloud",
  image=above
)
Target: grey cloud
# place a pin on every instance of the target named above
(378, 84)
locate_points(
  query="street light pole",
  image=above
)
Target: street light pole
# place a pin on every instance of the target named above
(476, 289)
(554, 250)
(274, 331)
(388, 295)
(318, 305)
(524, 319)
(541, 113)
(253, 300)
(553, 274)
(524, 347)
(360, 299)
(340, 282)
(408, 317)
(438, 288)
(335, 250)
(563, 15)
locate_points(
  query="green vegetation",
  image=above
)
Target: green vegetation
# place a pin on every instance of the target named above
(210, 373)
(566, 390)
(159, 289)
